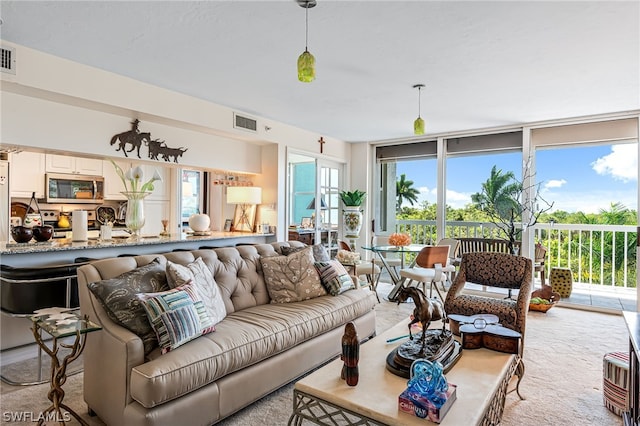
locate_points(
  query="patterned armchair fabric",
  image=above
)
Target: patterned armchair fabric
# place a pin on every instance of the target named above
(495, 270)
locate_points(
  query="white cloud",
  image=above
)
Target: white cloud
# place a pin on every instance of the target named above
(555, 183)
(591, 202)
(621, 163)
(457, 200)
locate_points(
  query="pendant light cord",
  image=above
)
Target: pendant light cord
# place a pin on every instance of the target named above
(306, 27)
(419, 97)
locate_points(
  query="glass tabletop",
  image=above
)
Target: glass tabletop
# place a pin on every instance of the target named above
(63, 322)
(411, 248)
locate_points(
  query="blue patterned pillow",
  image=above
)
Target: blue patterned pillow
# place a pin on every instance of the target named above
(334, 277)
(177, 316)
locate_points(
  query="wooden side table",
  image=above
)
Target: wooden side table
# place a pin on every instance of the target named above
(61, 323)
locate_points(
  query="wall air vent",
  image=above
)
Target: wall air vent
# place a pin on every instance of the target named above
(246, 123)
(8, 60)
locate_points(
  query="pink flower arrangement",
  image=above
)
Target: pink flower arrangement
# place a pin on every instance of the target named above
(397, 239)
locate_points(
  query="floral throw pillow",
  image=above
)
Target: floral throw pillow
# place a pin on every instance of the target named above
(292, 278)
(118, 296)
(334, 277)
(177, 316)
(205, 285)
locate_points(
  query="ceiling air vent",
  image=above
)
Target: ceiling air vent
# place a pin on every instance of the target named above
(8, 57)
(246, 123)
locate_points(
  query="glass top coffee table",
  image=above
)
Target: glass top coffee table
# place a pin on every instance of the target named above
(482, 377)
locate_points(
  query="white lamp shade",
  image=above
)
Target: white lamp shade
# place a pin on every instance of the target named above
(244, 195)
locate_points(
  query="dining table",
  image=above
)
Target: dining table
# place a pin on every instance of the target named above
(406, 253)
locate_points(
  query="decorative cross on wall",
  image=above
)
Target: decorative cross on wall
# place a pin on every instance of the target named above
(321, 141)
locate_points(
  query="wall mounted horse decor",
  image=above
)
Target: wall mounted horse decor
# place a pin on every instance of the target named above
(132, 138)
(157, 148)
(426, 309)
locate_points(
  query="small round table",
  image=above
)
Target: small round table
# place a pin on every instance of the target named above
(382, 251)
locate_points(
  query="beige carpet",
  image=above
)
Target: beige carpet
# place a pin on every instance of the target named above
(562, 384)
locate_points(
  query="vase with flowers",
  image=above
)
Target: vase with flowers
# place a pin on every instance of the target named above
(135, 191)
(399, 239)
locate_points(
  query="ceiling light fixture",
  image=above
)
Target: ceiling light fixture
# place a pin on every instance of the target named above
(418, 125)
(306, 61)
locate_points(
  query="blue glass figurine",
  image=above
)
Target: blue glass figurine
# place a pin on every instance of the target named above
(427, 382)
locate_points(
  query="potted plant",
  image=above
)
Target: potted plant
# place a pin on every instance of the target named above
(352, 198)
(352, 215)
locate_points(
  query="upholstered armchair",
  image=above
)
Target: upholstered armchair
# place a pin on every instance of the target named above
(495, 270)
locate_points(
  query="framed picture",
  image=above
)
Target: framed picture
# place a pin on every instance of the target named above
(244, 217)
(306, 222)
(227, 225)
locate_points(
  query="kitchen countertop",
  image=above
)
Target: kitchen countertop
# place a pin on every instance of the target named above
(66, 244)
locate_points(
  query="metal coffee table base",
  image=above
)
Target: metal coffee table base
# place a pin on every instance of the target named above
(321, 412)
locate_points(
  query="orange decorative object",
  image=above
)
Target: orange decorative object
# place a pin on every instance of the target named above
(397, 239)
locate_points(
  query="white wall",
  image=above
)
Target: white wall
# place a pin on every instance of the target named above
(55, 104)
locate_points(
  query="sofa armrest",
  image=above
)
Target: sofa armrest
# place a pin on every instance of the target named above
(109, 356)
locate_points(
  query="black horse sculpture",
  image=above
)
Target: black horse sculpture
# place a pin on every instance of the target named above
(425, 311)
(132, 138)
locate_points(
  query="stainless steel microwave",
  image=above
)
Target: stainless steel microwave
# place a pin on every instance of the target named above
(68, 188)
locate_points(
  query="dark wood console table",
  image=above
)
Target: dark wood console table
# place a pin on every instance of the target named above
(633, 324)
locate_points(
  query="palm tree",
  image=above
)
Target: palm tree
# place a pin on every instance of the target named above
(497, 195)
(405, 191)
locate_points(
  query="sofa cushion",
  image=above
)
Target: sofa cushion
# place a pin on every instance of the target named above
(177, 316)
(334, 277)
(118, 296)
(320, 253)
(292, 278)
(205, 285)
(243, 338)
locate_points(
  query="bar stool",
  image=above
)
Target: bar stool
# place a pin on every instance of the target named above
(25, 290)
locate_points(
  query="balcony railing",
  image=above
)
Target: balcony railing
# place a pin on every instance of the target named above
(600, 255)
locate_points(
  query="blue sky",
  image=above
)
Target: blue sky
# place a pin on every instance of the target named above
(583, 179)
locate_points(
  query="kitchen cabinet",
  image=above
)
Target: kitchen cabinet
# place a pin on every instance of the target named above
(27, 174)
(75, 165)
(113, 184)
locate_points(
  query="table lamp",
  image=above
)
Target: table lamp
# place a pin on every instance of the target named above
(312, 206)
(245, 198)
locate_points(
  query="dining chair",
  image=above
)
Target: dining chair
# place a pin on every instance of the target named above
(538, 261)
(454, 253)
(366, 268)
(428, 269)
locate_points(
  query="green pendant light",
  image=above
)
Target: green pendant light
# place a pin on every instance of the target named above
(418, 125)
(306, 61)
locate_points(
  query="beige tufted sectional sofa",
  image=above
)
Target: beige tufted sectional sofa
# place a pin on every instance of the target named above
(258, 347)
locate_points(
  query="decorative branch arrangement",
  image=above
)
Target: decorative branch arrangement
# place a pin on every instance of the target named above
(512, 205)
(157, 148)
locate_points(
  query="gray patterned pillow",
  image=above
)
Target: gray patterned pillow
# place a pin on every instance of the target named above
(118, 296)
(205, 285)
(320, 253)
(292, 278)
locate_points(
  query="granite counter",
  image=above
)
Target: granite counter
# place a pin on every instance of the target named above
(59, 251)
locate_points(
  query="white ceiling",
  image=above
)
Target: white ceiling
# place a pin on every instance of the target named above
(484, 63)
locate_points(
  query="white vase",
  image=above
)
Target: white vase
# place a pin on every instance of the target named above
(199, 222)
(352, 221)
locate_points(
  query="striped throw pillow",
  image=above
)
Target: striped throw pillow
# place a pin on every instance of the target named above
(334, 277)
(177, 316)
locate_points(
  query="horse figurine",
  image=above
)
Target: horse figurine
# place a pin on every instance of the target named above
(426, 309)
(130, 137)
